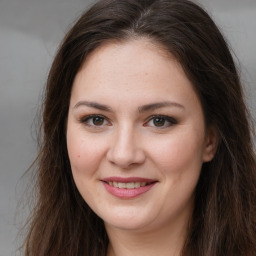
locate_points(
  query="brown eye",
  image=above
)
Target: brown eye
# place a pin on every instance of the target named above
(95, 121)
(159, 122)
(98, 120)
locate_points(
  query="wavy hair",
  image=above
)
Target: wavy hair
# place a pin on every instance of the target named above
(224, 217)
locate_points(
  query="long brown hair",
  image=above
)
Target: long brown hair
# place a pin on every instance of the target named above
(224, 218)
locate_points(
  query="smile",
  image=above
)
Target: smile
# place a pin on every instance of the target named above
(128, 185)
(127, 188)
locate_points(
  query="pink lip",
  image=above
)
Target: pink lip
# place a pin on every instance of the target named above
(128, 179)
(124, 193)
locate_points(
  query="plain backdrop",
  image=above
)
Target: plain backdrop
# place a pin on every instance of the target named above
(30, 31)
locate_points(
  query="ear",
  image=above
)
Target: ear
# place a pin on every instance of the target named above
(211, 144)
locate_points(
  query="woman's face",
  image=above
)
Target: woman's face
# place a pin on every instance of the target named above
(136, 136)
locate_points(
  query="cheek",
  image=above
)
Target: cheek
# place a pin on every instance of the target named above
(178, 153)
(84, 154)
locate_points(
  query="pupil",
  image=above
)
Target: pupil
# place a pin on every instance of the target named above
(159, 121)
(98, 120)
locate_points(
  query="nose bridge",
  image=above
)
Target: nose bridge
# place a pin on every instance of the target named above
(125, 148)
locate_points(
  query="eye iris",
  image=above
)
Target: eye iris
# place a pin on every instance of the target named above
(159, 121)
(98, 120)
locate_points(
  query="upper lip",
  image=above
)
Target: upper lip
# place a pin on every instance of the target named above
(128, 179)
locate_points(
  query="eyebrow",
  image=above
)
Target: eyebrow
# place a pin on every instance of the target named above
(157, 105)
(93, 105)
(141, 109)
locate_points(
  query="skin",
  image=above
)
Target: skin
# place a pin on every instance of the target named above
(128, 142)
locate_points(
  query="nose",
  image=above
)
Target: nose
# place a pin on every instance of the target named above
(126, 150)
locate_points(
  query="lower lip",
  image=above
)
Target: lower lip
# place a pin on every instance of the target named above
(127, 193)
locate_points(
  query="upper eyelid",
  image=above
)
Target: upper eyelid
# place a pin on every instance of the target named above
(168, 118)
(172, 121)
(86, 117)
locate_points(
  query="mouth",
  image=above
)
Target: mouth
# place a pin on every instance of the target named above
(126, 188)
(128, 185)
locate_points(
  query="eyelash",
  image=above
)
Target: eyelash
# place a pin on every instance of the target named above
(85, 120)
(167, 119)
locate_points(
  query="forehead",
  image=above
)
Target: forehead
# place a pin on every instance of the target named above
(144, 41)
(139, 67)
(114, 56)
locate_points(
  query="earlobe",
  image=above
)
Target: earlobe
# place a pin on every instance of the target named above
(211, 144)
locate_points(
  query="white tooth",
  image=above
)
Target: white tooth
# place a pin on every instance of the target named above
(130, 185)
(137, 185)
(121, 185)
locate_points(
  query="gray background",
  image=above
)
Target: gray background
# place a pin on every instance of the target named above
(30, 31)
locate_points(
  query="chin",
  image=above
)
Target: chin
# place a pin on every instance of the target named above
(130, 220)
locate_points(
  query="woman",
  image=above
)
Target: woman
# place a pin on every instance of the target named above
(146, 144)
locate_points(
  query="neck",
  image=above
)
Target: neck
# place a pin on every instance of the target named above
(167, 241)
